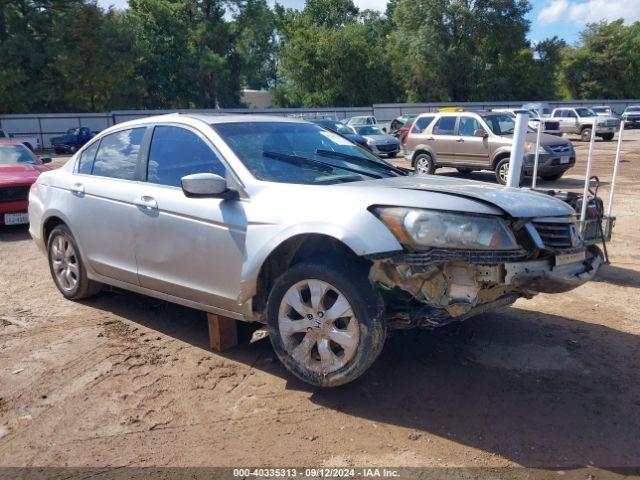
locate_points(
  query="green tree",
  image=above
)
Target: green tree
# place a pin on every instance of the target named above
(606, 65)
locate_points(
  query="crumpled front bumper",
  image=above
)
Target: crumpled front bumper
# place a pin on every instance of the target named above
(544, 277)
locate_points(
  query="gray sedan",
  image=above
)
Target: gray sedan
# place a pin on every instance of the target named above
(380, 143)
(279, 221)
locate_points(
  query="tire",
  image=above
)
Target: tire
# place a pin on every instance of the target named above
(550, 178)
(607, 137)
(66, 266)
(502, 170)
(306, 347)
(585, 134)
(464, 170)
(424, 164)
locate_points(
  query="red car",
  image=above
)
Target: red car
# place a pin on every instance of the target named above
(19, 168)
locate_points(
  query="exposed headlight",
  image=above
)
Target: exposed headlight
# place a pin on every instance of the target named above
(531, 148)
(370, 141)
(424, 229)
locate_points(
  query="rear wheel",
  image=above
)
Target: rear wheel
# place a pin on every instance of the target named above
(325, 322)
(425, 164)
(67, 269)
(607, 137)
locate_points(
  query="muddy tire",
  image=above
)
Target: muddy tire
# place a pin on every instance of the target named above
(424, 164)
(66, 266)
(326, 322)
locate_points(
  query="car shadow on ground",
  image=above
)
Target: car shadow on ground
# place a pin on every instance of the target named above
(14, 233)
(623, 277)
(537, 389)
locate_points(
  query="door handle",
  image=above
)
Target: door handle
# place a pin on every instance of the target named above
(460, 140)
(431, 139)
(146, 202)
(77, 188)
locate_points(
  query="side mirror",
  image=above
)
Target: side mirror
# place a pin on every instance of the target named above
(206, 185)
(45, 159)
(480, 134)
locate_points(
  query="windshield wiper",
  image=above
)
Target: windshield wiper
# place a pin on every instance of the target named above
(332, 153)
(318, 164)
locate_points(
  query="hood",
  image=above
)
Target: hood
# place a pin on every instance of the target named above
(382, 138)
(546, 139)
(20, 174)
(518, 203)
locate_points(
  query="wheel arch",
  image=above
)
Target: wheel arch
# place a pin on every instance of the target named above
(422, 149)
(291, 251)
(498, 156)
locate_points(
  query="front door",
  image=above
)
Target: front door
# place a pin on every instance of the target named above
(100, 202)
(192, 248)
(471, 149)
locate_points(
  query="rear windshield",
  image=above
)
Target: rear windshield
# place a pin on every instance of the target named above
(302, 153)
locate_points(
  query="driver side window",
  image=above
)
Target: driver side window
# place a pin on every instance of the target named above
(176, 152)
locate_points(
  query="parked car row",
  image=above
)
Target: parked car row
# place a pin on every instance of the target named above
(283, 222)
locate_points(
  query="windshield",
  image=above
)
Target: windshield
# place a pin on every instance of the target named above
(12, 154)
(369, 131)
(301, 153)
(633, 109)
(503, 124)
(585, 112)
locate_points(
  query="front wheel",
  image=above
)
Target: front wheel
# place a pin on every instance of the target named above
(325, 322)
(585, 135)
(502, 171)
(67, 269)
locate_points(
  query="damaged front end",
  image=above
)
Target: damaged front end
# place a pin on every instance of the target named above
(435, 286)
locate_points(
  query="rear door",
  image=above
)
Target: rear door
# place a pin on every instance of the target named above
(469, 148)
(443, 139)
(188, 247)
(418, 134)
(101, 209)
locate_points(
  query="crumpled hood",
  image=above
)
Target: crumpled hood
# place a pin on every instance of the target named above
(516, 202)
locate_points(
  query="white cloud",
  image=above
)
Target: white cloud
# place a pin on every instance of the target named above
(583, 12)
(380, 5)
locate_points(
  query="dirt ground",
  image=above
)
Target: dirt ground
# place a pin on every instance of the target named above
(125, 380)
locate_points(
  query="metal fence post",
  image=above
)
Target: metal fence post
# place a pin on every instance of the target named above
(517, 149)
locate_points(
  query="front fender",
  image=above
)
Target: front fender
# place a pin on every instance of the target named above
(378, 239)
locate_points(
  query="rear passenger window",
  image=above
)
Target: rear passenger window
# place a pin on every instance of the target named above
(468, 126)
(118, 154)
(177, 152)
(421, 124)
(86, 159)
(445, 126)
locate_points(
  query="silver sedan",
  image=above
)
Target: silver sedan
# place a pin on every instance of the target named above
(379, 142)
(279, 221)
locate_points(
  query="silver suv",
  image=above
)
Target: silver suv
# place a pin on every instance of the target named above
(280, 221)
(472, 141)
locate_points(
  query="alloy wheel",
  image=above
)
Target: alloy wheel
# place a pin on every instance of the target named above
(64, 262)
(318, 327)
(422, 165)
(503, 171)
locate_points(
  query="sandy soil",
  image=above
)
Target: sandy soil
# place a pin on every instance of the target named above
(122, 379)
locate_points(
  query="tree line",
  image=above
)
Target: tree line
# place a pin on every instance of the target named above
(72, 55)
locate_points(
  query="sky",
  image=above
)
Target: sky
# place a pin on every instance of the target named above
(562, 18)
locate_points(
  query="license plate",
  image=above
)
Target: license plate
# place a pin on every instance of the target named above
(565, 159)
(16, 218)
(568, 258)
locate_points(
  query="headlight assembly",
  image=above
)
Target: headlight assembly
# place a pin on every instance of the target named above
(423, 229)
(531, 148)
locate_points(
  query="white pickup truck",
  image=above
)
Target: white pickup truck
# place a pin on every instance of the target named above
(580, 120)
(32, 143)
